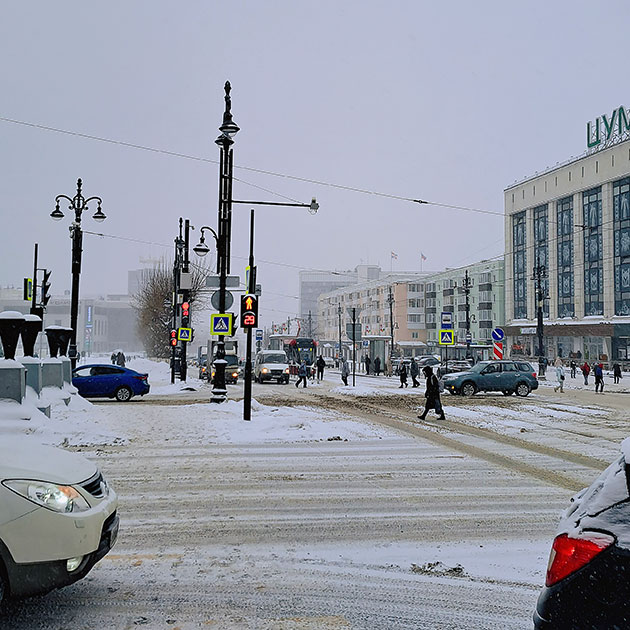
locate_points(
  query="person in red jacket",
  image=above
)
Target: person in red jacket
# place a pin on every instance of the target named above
(586, 370)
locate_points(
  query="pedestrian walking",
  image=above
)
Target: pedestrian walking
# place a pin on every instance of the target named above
(321, 364)
(345, 371)
(559, 377)
(586, 370)
(616, 373)
(377, 366)
(302, 374)
(432, 394)
(403, 376)
(367, 364)
(120, 359)
(573, 365)
(114, 357)
(414, 371)
(598, 370)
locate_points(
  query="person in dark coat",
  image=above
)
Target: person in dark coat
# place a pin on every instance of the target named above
(367, 364)
(598, 369)
(432, 394)
(321, 364)
(403, 376)
(377, 366)
(114, 357)
(120, 359)
(302, 374)
(414, 371)
(573, 366)
(616, 372)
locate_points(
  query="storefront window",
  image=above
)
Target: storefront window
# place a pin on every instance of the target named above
(593, 270)
(593, 348)
(564, 217)
(621, 220)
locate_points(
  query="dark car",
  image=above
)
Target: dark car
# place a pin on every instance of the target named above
(508, 377)
(109, 381)
(587, 583)
(231, 370)
(456, 366)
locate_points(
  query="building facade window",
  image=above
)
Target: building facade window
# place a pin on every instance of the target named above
(564, 217)
(541, 249)
(519, 265)
(621, 220)
(593, 264)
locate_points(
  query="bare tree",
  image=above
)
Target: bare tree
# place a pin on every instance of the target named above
(153, 304)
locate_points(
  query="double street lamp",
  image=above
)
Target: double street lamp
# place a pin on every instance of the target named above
(78, 204)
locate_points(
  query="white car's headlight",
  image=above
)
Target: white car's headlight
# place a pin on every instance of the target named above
(265, 370)
(49, 495)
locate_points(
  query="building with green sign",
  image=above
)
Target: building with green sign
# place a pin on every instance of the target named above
(567, 231)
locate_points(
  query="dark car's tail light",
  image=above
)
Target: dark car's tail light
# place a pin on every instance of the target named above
(141, 377)
(534, 374)
(570, 554)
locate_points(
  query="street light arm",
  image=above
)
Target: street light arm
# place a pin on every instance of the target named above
(58, 197)
(86, 201)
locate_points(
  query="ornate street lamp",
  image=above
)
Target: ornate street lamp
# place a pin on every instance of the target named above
(78, 204)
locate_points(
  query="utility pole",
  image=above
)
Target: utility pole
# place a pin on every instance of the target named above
(467, 285)
(251, 289)
(390, 301)
(185, 292)
(179, 245)
(540, 272)
(339, 316)
(310, 325)
(354, 344)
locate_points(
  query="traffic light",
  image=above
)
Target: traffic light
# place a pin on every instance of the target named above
(185, 315)
(46, 287)
(249, 311)
(173, 338)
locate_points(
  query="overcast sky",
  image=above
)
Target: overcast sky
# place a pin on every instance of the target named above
(444, 101)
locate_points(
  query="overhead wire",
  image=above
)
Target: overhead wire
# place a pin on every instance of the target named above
(177, 154)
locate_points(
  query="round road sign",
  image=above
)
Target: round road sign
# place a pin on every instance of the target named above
(498, 334)
(215, 300)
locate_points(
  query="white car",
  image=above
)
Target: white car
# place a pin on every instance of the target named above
(57, 517)
(271, 365)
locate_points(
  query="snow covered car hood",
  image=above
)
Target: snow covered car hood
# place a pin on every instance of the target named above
(25, 458)
(605, 504)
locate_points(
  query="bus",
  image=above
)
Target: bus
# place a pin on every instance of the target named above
(301, 349)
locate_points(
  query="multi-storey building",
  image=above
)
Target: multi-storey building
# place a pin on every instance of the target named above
(567, 241)
(409, 306)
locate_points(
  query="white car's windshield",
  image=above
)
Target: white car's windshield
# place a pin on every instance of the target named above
(275, 358)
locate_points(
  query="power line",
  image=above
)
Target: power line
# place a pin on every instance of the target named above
(186, 156)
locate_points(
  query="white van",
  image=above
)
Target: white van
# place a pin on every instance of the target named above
(271, 365)
(58, 517)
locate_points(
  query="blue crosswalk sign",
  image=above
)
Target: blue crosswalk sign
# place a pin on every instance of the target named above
(221, 324)
(447, 337)
(184, 334)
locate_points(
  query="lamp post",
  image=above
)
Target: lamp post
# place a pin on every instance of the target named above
(540, 272)
(78, 204)
(467, 285)
(390, 301)
(223, 235)
(339, 316)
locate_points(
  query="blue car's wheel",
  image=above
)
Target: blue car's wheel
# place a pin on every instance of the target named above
(123, 394)
(468, 389)
(522, 389)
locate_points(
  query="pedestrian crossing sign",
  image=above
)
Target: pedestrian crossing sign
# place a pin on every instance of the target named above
(447, 337)
(184, 334)
(221, 324)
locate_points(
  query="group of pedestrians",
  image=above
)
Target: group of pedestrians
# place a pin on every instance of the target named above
(597, 369)
(118, 358)
(372, 366)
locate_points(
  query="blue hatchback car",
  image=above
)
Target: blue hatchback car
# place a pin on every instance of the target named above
(109, 381)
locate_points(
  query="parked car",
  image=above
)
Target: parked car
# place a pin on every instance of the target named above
(110, 381)
(271, 365)
(587, 583)
(508, 377)
(58, 517)
(455, 366)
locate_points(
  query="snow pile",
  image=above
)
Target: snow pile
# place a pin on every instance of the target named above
(224, 424)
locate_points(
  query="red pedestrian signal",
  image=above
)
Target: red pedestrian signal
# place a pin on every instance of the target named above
(173, 337)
